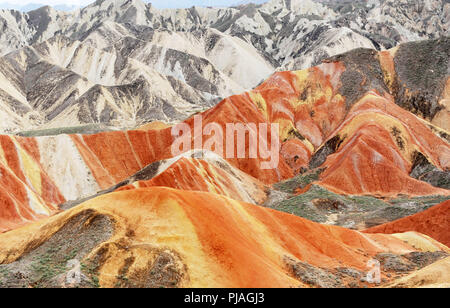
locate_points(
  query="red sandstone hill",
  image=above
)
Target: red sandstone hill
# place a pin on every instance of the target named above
(434, 222)
(161, 237)
(363, 135)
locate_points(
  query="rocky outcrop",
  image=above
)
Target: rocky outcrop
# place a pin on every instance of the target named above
(363, 140)
(85, 85)
(191, 58)
(351, 133)
(433, 222)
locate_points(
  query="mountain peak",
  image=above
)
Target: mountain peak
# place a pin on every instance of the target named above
(345, 134)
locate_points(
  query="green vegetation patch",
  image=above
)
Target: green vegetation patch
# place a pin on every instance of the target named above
(299, 181)
(85, 129)
(355, 212)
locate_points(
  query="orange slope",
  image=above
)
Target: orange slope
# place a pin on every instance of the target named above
(219, 242)
(309, 110)
(434, 222)
(378, 141)
(114, 156)
(26, 191)
(210, 174)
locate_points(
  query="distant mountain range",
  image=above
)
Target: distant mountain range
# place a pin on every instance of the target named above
(197, 55)
(359, 92)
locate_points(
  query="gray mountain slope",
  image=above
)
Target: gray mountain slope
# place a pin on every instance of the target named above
(124, 62)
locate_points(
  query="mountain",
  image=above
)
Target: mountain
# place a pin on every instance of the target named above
(136, 89)
(378, 137)
(212, 52)
(161, 237)
(119, 162)
(279, 21)
(244, 2)
(433, 222)
(34, 6)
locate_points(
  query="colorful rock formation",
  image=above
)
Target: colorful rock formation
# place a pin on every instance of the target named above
(179, 238)
(362, 138)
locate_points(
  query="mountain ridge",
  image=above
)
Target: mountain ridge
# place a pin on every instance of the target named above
(328, 126)
(109, 168)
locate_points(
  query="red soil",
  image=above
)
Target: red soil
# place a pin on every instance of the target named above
(371, 159)
(434, 222)
(199, 175)
(23, 199)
